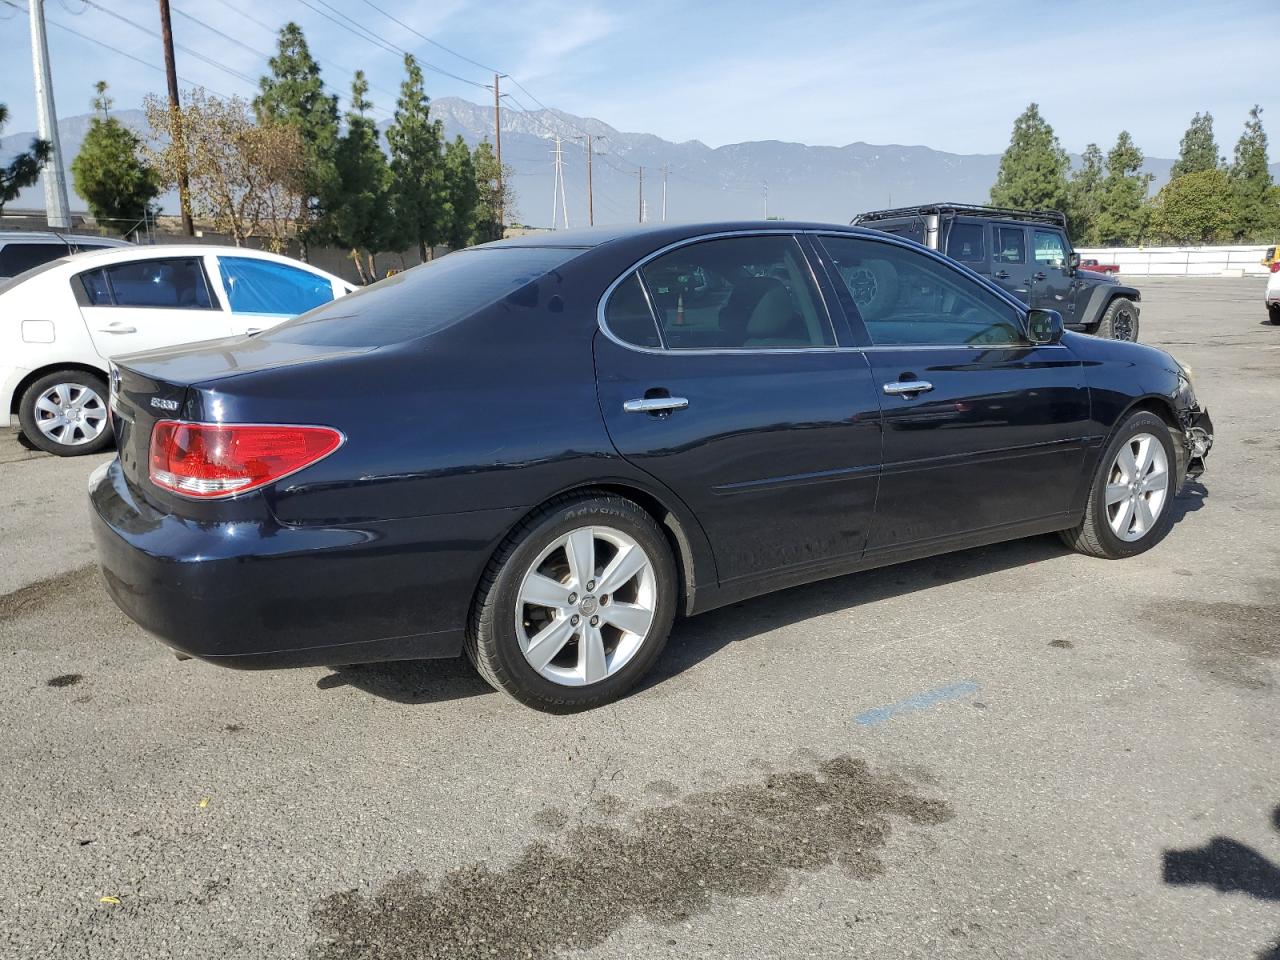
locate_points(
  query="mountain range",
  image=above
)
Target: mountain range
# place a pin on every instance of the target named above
(740, 180)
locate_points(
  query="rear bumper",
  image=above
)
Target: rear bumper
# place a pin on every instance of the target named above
(263, 594)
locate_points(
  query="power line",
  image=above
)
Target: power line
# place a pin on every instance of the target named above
(434, 43)
(187, 50)
(265, 56)
(357, 29)
(275, 31)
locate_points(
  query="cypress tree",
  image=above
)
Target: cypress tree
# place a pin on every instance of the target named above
(417, 174)
(293, 93)
(1199, 150)
(1256, 213)
(363, 221)
(1033, 169)
(460, 189)
(110, 173)
(1084, 196)
(1122, 212)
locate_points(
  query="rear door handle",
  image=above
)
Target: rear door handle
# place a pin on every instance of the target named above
(1002, 275)
(907, 388)
(116, 328)
(655, 405)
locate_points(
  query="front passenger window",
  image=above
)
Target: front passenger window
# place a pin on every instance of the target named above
(906, 297)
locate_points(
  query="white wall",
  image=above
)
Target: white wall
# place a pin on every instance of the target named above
(1181, 261)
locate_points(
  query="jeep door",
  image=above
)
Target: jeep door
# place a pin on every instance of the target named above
(1052, 287)
(1009, 259)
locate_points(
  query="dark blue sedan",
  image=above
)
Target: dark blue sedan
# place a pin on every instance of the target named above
(540, 451)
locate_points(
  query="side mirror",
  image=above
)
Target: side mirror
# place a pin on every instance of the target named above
(1073, 262)
(1044, 327)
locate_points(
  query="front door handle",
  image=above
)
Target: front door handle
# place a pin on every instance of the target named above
(655, 405)
(1040, 275)
(116, 328)
(907, 388)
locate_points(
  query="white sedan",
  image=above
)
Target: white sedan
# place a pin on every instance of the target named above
(60, 324)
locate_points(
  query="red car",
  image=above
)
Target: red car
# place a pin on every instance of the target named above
(1096, 267)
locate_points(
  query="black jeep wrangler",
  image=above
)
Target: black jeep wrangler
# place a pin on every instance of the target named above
(1025, 251)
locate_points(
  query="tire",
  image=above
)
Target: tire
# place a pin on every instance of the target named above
(1273, 313)
(1120, 321)
(1097, 534)
(41, 412)
(504, 623)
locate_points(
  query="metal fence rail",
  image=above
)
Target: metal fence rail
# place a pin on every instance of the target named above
(1217, 261)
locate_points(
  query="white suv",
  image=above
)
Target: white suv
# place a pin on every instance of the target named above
(60, 324)
(20, 250)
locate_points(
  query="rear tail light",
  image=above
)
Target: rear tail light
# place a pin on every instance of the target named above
(205, 460)
(1275, 267)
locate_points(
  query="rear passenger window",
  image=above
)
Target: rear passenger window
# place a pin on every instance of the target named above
(966, 242)
(738, 293)
(95, 288)
(906, 297)
(627, 314)
(15, 258)
(178, 284)
(1011, 245)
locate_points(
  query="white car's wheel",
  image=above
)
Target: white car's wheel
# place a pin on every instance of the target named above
(65, 413)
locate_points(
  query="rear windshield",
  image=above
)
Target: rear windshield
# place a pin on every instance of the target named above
(427, 298)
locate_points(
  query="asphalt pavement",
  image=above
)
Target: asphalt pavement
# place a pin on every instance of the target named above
(1015, 751)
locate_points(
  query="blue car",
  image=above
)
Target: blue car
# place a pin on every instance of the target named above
(539, 452)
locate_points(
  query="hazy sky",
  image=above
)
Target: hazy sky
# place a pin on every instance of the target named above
(950, 74)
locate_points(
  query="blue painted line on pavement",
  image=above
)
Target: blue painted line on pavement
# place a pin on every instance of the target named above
(917, 701)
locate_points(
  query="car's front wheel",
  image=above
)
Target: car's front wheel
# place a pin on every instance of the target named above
(1130, 502)
(65, 413)
(1120, 322)
(576, 604)
(1273, 313)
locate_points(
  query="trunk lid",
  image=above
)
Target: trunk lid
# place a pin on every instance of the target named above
(185, 383)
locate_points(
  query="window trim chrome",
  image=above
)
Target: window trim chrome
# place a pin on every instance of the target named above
(1020, 309)
(713, 351)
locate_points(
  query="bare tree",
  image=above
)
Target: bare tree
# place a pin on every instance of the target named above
(247, 178)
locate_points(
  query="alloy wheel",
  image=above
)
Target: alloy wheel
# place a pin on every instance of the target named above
(1137, 487)
(586, 606)
(71, 414)
(1122, 325)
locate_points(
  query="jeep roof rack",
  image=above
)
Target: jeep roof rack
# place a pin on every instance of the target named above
(1032, 216)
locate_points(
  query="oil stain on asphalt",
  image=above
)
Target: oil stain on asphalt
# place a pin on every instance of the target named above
(34, 597)
(1232, 641)
(666, 864)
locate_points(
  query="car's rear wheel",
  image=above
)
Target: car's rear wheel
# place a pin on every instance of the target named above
(1120, 322)
(1130, 502)
(1273, 313)
(65, 413)
(576, 604)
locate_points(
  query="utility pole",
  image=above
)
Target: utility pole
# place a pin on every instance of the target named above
(591, 206)
(557, 192)
(664, 193)
(497, 145)
(175, 120)
(641, 199)
(57, 211)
